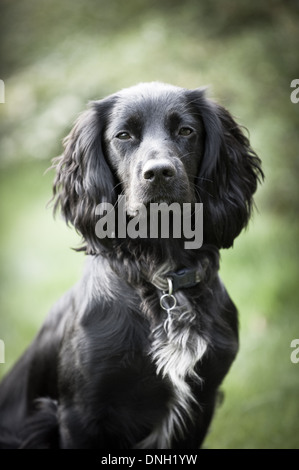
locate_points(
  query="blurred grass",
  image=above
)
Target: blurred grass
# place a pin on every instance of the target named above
(37, 263)
(62, 54)
(261, 392)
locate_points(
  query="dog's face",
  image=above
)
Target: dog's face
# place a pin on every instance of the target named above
(154, 143)
(158, 143)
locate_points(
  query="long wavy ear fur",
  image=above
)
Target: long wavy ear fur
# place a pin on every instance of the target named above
(83, 177)
(229, 173)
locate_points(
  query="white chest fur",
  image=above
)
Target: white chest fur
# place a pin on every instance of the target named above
(176, 348)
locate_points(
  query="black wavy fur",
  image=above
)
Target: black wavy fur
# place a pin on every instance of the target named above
(108, 369)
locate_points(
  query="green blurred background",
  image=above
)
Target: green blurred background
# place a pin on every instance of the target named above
(55, 57)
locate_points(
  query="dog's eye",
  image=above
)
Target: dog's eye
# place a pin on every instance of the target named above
(123, 136)
(185, 131)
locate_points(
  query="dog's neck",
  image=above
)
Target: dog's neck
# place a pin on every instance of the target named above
(139, 262)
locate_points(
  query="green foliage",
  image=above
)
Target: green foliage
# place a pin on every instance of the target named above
(55, 57)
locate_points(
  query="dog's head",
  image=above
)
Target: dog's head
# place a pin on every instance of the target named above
(154, 144)
(158, 143)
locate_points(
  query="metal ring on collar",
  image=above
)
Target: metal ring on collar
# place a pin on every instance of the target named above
(168, 297)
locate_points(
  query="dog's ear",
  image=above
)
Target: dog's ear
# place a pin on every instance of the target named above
(83, 178)
(228, 175)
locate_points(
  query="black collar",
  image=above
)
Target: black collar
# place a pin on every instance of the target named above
(182, 279)
(185, 278)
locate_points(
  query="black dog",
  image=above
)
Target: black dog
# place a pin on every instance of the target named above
(116, 364)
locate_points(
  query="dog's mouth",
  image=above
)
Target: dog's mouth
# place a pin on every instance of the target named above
(144, 199)
(144, 207)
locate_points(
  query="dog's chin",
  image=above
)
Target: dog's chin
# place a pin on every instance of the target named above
(143, 207)
(140, 201)
(134, 211)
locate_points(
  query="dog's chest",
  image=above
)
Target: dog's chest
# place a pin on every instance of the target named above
(176, 348)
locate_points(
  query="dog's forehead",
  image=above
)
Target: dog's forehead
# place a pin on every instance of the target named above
(149, 97)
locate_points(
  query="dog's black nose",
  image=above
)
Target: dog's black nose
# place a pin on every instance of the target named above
(158, 171)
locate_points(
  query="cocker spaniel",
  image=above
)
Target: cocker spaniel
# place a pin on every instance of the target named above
(133, 355)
